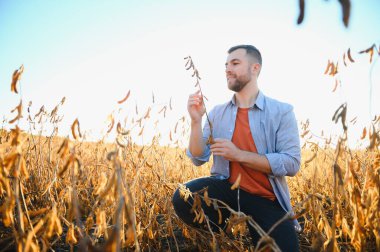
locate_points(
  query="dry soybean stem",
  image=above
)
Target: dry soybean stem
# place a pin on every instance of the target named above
(190, 65)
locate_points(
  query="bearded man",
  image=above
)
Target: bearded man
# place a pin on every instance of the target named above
(255, 138)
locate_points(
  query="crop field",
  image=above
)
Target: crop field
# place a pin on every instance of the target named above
(60, 194)
(68, 194)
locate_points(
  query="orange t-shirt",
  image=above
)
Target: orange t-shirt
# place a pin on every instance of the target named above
(252, 181)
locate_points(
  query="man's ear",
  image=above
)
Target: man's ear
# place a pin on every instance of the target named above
(256, 67)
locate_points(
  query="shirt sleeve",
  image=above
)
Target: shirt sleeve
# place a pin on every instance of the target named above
(200, 160)
(285, 161)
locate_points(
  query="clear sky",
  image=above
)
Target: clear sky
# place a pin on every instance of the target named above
(93, 52)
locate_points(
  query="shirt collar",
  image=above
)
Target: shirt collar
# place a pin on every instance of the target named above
(259, 100)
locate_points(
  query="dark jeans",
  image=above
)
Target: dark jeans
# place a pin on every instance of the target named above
(264, 211)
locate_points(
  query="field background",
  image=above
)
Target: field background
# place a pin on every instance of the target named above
(69, 194)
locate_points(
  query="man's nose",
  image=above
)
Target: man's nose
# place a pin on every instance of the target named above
(228, 69)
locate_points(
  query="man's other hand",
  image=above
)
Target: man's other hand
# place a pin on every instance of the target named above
(226, 149)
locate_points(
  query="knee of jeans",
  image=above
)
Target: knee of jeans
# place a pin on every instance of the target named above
(177, 201)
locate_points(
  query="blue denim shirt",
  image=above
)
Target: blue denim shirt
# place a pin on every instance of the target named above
(274, 129)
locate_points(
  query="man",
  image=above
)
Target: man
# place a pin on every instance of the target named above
(255, 137)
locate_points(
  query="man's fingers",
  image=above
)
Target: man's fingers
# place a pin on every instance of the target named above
(219, 144)
(220, 140)
(194, 99)
(196, 94)
(217, 149)
(215, 145)
(218, 153)
(192, 103)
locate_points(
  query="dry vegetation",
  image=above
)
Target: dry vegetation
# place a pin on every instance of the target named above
(59, 194)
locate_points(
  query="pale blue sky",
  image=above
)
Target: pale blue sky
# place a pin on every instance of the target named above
(93, 52)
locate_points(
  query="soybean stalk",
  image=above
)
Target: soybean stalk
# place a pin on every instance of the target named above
(190, 65)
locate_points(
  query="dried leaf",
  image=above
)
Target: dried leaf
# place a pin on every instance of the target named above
(206, 198)
(220, 217)
(163, 109)
(374, 139)
(15, 133)
(370, 51)
(333, 69)
(141, 131)
(140, 155)
(311, 158)
(210, 140)
(344, 59)
(364, 133)
(64, 148)
(125, 98)
(328, 67)
(376, 119)
(63, 100)
(15, 78)
(353, 121)
(118, 128)
(301, 4)
(346, 7)
(150, 233)
(19, 113)
(336, 85)
(121, 131)
(175, 127)
(341, 112)
(338, 171)
(111, 124)
(349, 55)
(130, 236)
(33, 213)
(147, 113)
(66, 166)
(185, 233)
(75, 127)
(42, 109)
(70, 237)
(189, 64)
(237, 182)
(305, 133)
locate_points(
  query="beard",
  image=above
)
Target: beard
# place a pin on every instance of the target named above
(238, 83)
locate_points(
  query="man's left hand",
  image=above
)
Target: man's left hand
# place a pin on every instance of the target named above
(226, 149)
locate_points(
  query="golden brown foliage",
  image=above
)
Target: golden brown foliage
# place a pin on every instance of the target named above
(62, 193)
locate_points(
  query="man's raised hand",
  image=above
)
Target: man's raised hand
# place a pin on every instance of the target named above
(195, 107)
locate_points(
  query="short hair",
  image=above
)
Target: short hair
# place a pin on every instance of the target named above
(251, 51)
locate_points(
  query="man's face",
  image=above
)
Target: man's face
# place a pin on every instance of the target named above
(238, 71)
